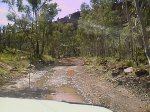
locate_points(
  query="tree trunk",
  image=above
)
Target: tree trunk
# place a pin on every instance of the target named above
(43, 42)
(0, 41)
(37, 48)
(144, 32)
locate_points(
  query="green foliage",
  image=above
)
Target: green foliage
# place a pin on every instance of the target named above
(105, 29)
(3, 72)
(32, 27)
(11, 16)
(14, 58)
(48, 58)
(7, 57)
(12, 62)
(129, 63)
(141, 57)
(34, 3)
(109, 29)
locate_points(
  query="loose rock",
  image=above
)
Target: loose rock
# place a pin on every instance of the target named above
(115, 73)
(141, 73)
(128, 70)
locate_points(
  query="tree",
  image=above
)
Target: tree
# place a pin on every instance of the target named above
(32, 21)
(114, 26)
(144, 32)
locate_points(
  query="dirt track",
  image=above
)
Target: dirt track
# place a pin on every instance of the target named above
(70, 82)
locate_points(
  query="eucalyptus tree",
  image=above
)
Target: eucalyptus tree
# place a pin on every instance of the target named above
(97, 22)
(0, 39)
(143, 27)
(32, 18)
(64, 41)
(45, 23)
(114, 25)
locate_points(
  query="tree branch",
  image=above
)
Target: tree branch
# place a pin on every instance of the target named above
(42, 5)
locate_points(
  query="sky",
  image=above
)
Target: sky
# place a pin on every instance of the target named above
(66, 6)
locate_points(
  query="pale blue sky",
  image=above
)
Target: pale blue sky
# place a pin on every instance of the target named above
(66, 6)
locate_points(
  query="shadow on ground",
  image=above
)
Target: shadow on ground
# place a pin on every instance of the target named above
(26, 93)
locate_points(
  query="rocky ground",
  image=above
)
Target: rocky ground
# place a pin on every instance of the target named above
(69, 81)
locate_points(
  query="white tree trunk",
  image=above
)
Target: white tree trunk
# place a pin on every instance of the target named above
(144, 32)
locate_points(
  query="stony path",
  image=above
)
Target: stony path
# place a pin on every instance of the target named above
(100, 92)
(71, 83)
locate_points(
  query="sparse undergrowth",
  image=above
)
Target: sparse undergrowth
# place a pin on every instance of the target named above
(124, 73)
(48, 59)
(15, 64)
(12, 63)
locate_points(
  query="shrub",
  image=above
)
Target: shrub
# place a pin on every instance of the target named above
(129, 63)
(3, 72)
(48, 58)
